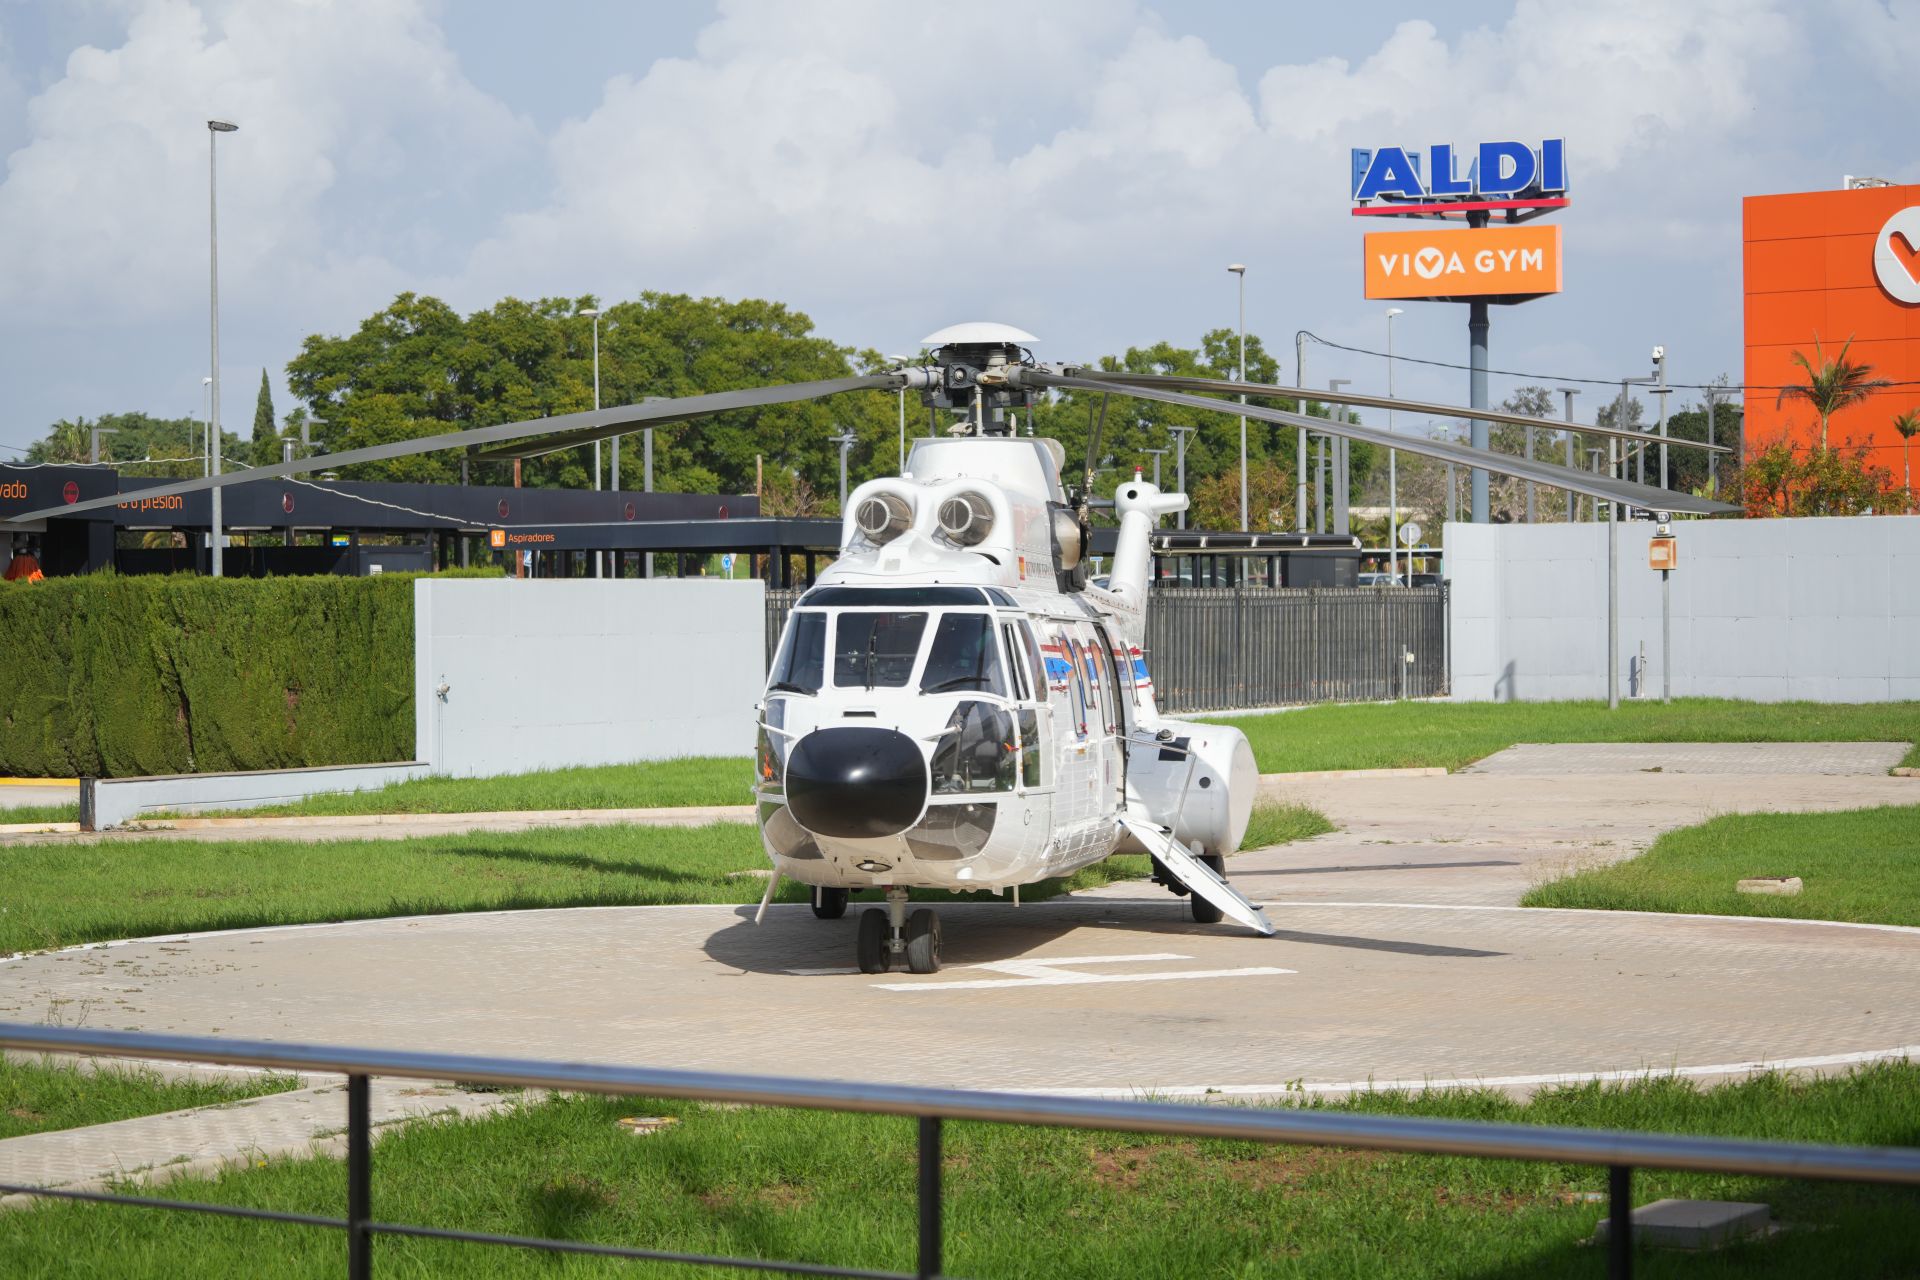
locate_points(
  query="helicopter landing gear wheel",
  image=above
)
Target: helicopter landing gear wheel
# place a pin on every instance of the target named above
(1162, 876)
(829, 904)
(923, 942)
(874, 955)
(1205, 912)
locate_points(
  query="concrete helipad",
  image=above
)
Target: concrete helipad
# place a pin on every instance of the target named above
(1401, 957)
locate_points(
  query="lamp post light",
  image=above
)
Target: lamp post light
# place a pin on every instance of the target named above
(1180, 435)
(1393, 471)
(1239, 269)
(214, 129)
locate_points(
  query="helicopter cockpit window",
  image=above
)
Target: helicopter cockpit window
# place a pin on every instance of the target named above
(876, 650)
(977, 751)
(802, 658)
(964, 657)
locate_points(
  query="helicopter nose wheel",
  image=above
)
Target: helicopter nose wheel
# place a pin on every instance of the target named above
(886, 933)
(829, 904)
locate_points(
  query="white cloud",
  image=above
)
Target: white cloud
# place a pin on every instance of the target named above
(354, 119)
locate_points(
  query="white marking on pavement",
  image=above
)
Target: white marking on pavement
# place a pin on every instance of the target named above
(1046, 973)
(1905, 1051)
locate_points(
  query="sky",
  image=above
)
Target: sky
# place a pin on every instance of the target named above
(1084, 169)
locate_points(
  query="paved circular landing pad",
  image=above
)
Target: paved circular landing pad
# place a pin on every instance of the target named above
(1085, 994)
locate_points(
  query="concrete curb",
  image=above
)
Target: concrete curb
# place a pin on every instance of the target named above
(36, 828)
(684, 815)
(1317, 775)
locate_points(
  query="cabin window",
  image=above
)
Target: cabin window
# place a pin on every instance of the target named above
(803, 653)
(876, 650)
(977, 751)
(1018, 672)
(1077, 656)
(1035, 662)
(1029, 747)
(964, 657)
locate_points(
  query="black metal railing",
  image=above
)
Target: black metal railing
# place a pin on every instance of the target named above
(1619, 1152)
(1231, 648)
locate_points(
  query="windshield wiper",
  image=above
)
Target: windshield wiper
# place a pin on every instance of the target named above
(873, 644)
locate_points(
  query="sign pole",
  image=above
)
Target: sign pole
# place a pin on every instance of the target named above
(1477, 326)
(1666, 636)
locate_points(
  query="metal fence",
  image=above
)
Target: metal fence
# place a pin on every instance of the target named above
(1220, 648)
(1621, 1153)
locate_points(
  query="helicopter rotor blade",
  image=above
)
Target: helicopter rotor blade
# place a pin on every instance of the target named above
(1602, 487)
(1300, 395)
(581, 427)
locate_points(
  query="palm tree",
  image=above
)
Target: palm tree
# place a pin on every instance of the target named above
(1908, 425)
(1832, 385)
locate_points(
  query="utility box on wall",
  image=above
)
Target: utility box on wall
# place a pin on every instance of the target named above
(513, 675)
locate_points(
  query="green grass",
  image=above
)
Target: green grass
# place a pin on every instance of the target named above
(1023, 1202)
(1862, 864)
(1450, 735)
(40, 813)
(41, 1096)
(60, 895)
(693, 780)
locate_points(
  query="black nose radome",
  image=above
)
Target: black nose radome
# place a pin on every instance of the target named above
(856, 783)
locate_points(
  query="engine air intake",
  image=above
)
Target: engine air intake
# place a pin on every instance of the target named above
(883, 517)
(966, 519)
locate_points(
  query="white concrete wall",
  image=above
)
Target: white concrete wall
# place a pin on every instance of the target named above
(1827, 610)
(110, 802)
(548, 673)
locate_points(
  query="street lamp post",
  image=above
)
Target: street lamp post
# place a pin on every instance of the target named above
(206, 419)
(1300, 437)
(1393, 474)
(1156, 453)
(1239, 269)
(1713, 476)
(96, 433)
(1180, 435)
(593, 313)
(1573, 499)
(214, 129)
(845, 440)
(1341, 487)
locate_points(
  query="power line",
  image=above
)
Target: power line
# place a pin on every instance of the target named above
(1560, 377)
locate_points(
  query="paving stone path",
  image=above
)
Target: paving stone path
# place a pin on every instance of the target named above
(1401, 957)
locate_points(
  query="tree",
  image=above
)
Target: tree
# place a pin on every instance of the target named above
(1687, 468)
(175, 443)
(266, 433)
(1782, 481)
(1908, 425)
(1831, 385)
(1270, 497)
(1507, 495)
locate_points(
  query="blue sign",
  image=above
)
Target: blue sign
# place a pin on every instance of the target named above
(1496, 170)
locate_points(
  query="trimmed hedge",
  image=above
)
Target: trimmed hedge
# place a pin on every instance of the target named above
(117, 677)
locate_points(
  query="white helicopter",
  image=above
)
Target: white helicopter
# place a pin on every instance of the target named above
(953, 706)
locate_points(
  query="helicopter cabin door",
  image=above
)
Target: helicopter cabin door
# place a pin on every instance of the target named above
(1117, 708)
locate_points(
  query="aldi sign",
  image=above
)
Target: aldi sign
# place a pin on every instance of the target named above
(1443, 177)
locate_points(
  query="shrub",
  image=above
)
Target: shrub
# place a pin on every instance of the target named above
(116, 677)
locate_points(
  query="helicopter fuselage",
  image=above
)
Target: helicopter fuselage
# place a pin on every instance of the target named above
(943, 714)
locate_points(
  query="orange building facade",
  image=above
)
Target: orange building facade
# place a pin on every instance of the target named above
(1833, 265)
